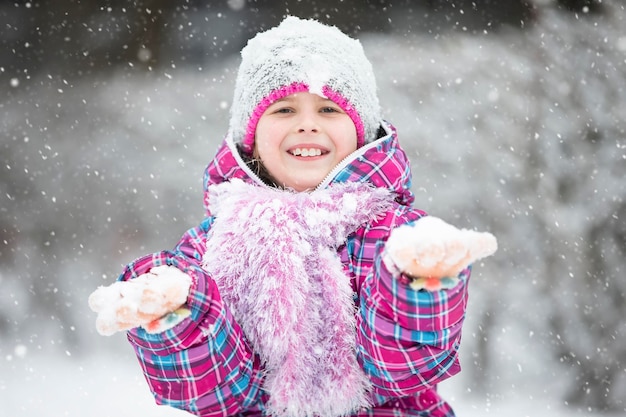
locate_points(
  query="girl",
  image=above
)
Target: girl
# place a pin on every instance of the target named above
(312, 287)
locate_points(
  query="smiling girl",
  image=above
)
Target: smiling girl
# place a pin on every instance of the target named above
(312, 287)
(302, 137)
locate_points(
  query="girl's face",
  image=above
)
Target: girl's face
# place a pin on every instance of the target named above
(301, 138)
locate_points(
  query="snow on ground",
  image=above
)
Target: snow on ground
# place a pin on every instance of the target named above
(94, 386)
(113, 385)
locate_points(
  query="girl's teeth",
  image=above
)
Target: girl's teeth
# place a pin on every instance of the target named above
(307, 152)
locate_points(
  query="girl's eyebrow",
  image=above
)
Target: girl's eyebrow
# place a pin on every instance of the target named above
(288, 98)
(326, 100)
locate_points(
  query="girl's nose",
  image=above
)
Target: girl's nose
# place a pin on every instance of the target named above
(307, 123)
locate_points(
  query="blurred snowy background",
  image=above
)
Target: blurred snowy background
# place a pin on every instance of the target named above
(514, 115)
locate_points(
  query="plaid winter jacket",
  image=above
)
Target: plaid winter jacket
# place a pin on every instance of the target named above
(407, 341)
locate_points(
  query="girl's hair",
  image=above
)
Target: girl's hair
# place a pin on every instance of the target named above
(256, 165)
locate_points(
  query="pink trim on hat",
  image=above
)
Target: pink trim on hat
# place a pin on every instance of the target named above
(298, 87)
(271, 98)
(350, 111)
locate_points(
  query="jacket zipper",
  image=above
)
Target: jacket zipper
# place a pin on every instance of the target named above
(354, 155)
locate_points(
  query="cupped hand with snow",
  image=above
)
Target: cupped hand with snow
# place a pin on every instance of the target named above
(433, 252)
(154, 301)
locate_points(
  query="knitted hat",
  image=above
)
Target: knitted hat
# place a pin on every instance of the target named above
(303, 55)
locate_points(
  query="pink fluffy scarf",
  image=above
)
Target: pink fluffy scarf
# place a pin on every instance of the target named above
(273, 255)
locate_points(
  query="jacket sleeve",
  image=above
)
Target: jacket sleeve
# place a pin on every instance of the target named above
(408, 340)
(203, 364)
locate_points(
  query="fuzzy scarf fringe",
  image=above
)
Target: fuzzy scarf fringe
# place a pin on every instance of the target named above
(273, 255)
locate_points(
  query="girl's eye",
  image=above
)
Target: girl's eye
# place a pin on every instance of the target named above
(283, 110)
(329, 110)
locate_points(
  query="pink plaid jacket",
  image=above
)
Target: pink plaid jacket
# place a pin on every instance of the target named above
(407, 341)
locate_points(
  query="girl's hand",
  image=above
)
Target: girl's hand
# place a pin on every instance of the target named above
(152, 300)
(433, 249)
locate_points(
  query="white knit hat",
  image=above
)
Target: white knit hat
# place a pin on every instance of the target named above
(303, 55)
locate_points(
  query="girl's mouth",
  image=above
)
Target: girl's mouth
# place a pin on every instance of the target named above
(307, 152)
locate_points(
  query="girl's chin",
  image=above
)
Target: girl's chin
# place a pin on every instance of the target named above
(303, 184)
